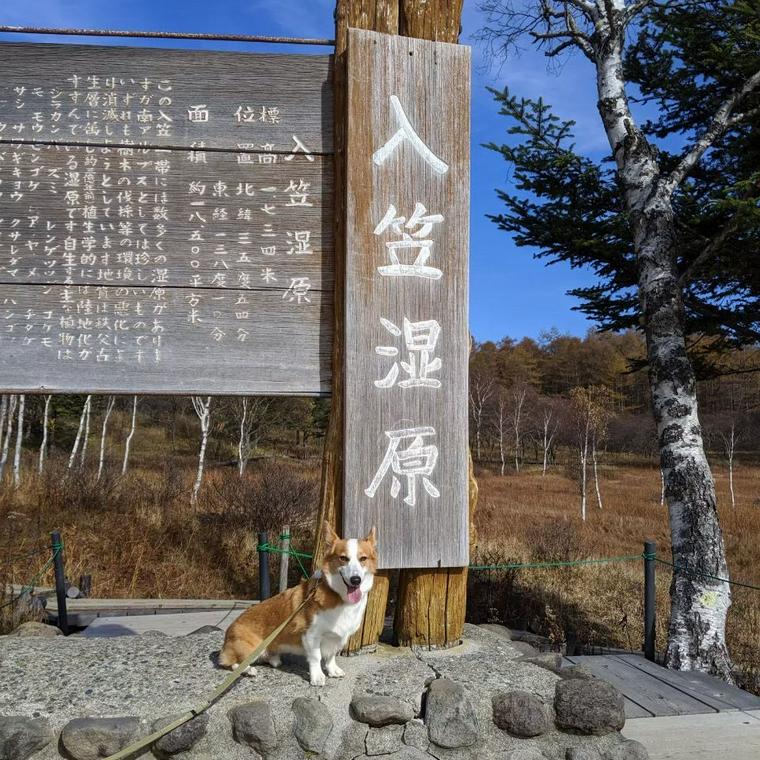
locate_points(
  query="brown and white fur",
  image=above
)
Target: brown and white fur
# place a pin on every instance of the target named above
(322, 628)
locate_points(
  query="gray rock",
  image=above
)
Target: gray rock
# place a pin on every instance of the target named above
(405, 753)
(383, 741)
(416, 735)
(93, 738)
(34, 628)
(521, 713)
(526, 753)
(313, 723)
(380, 711)
(627, 750)
(589, 707)
(582, 753)
(204, 629)
(549, 661)
(182, 738)
(575, 671)
(21, 737)
(253, 726)
(449, 715)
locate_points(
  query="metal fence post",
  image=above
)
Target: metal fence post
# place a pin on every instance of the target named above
(263, 567)
(284, 557)
(60, 581)
(650, 554)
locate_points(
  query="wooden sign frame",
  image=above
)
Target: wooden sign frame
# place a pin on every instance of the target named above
(406, 285)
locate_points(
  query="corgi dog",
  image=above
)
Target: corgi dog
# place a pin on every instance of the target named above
(322, 628)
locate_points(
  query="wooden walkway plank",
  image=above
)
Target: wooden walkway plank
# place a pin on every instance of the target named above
(706, 688)
(699, 737)
(170, 625)
(655, 696)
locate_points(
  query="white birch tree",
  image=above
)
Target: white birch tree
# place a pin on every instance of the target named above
(254, 412)
(501, 425)
(481, 390)
(80, 432)
(86, 434)
(549, 431)
(106, 414)
(3, 412)
(44, 443)
(130, 435)
(730, 438)
(12, 401)
(203, 410)
(19, 441)
(519, 392)
(648, 179)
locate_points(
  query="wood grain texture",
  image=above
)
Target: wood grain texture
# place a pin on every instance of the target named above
(286, 349)
(437, 20)
(431, 81)
(298, 85)
(162, 219)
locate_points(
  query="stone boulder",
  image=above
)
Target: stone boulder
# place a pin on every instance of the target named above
(630, 749)
(94, 738)
(34, 628)
(182, 738)
(449, 715)
(380, 711)
(588, 706)
(313, 723)
(520, 713)
(253, 726)
(21, 737)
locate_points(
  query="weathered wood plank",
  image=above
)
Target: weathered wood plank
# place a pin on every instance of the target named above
(655, 696)
(406, 306)
(123, 217)
(172, 98)
(163, 340)
(706, 688)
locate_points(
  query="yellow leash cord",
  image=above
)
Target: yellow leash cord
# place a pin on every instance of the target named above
(223, 686)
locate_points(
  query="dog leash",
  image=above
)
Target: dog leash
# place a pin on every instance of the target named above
(221, 688)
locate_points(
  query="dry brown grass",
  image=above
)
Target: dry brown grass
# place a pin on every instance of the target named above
(139, 537)
(528, 518)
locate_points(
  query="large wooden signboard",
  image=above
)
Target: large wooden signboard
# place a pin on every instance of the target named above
(407, 339)
(166, 221)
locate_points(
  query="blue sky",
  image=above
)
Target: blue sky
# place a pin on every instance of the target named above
(511, 293)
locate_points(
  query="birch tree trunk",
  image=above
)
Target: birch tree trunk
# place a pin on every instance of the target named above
(3, 412)
(500, 430)
(244, 442)
(106, 415)
(80, 429)
(128, 442)
(662, 487)
(19, 440)
(86, 434)
(519, 398)
(596, 472)
(203, 410)
(12, 401)
(43, 445)
(584, 468)
(699, 604)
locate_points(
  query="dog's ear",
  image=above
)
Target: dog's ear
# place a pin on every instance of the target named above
(329, 534)
(371, 537)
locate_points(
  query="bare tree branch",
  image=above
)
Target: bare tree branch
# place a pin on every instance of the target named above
(719, 124)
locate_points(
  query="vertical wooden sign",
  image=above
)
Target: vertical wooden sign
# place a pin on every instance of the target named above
(407, 338)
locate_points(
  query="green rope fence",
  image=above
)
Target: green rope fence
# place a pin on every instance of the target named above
(30, 586)
(299, 555)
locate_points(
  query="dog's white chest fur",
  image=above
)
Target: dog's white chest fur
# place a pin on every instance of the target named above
(341, 621)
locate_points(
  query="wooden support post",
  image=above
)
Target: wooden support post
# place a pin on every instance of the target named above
(284, 557)
(56, 547)
(444, 589)
(650, 599)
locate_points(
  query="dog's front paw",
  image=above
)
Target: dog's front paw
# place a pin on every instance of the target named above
(335, 672)
(318, 679)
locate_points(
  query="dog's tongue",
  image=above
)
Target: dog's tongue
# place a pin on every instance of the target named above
(354, 595)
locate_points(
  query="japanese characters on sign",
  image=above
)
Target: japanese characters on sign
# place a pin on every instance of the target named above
(407, 341)
(159, 231)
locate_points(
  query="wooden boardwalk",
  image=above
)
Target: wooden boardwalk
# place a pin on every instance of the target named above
(82, 612)
(653, 691)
